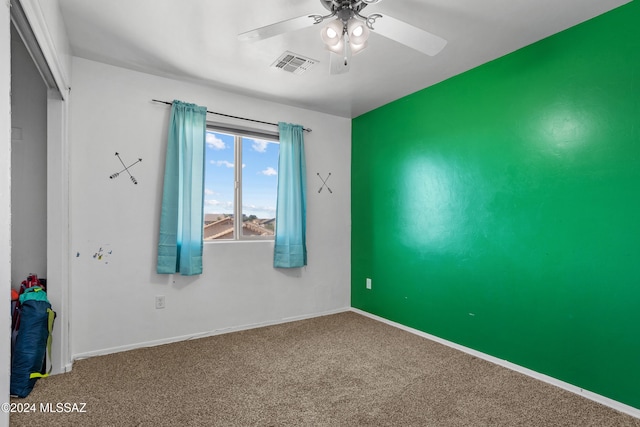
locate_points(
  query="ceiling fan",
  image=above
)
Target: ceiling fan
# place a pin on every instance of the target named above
(347, 34)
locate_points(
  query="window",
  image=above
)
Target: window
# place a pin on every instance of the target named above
(240, 181)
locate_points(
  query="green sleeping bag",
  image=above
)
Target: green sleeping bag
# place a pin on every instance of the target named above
(34, 337)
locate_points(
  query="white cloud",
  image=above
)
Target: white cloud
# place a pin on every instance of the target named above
(208, 192)
(259, 145)
(222, 163)
(219, 204)
(269, 172)
(215, 142)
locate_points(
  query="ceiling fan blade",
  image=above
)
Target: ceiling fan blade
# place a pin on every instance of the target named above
(278, 28)
(408, 35)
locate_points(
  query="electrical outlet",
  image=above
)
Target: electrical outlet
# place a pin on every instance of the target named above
(159, 301)
(368, 283)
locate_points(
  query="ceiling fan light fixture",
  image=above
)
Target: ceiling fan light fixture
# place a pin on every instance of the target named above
(338, 47)
(332, 33)
(358, 32)
(357, 48)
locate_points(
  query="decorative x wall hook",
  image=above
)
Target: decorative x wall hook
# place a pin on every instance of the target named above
(324, 182)
(126, 168)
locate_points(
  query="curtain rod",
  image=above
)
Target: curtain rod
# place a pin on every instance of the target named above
(233, 117)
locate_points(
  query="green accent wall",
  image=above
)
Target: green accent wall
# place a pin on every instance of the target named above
(500, 209)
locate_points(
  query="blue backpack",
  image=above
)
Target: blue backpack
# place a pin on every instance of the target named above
(28, 361)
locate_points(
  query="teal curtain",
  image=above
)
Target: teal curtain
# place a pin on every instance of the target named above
(291, 210)
(181, 222)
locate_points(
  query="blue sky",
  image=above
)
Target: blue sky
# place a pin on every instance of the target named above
(259, 175)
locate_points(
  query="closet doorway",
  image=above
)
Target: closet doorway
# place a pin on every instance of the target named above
(40, 169)
(28, 165)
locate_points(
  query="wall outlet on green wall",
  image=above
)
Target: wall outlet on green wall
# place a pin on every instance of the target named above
(368, 283)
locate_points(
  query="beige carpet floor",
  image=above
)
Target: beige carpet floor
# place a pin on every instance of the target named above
(338, 370)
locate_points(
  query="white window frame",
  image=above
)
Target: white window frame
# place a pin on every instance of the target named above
(238, 133)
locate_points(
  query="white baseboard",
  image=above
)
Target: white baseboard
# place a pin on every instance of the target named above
(170, 340)
(630, 410)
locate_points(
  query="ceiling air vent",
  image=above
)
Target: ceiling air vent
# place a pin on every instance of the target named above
(294, 63)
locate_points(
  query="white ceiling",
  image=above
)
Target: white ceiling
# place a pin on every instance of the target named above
(196, 40)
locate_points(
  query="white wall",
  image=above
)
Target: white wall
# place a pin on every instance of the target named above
(113, 298)
(5, 203)
(28, 166)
